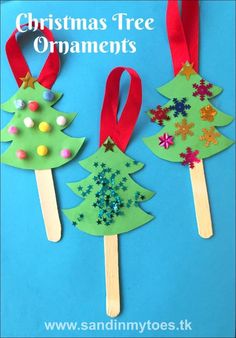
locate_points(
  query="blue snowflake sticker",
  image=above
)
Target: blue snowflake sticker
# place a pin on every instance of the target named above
(180, 107)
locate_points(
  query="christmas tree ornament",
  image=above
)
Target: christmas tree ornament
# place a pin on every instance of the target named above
(188, 119)
(36, 137)
(112, 199)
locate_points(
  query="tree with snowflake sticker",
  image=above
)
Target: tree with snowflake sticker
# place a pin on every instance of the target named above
(38, 143)
(189, 118)
(111, 197)
(189, 122)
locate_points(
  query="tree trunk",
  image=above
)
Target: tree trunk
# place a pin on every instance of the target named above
(48, 203)
(112, 275)
(200, 194)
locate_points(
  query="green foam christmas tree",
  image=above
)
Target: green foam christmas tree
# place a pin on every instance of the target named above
(38, 143)
(188, 120)
(35, 131)
(111, 196)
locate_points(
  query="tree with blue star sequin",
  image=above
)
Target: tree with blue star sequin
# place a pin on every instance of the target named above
(111, 197)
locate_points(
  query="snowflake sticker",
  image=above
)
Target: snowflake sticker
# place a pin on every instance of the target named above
(180, 107)
(208, 113)
(166, 141)
(209, 136)
(184, 129)
(202, 89)
(159, 115)
(190, 157)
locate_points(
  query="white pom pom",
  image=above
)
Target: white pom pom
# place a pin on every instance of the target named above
(28, 122)
(61, 120)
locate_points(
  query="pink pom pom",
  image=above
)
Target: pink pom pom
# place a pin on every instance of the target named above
(21, 154)
(13, 130)
(65, 153)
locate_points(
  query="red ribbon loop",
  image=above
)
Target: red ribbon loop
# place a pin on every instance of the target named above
(120, 131)
(19, 66)
(183, 32)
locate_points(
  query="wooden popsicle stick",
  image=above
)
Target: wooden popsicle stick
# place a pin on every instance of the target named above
(48, 203)
(112, 275)
(201, 201)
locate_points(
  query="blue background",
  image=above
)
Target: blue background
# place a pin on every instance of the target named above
(168, 272)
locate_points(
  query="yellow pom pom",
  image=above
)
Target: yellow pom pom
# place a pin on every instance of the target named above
(44, 127)
(42, 150)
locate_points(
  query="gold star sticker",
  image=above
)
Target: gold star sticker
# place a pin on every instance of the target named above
(109, 146)
(188, 70)
(28, 81)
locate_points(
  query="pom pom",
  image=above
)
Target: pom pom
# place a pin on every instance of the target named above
(61, 121)
(33, 105)
(65, 153)
(19, 104)
(44, 127)
(13, 130)
(21, 154)
(48, 95)
(42, 150)
(28, 122)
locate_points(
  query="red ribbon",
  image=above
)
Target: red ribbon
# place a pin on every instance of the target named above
(19, 66)
(120, 131)
(183, 32)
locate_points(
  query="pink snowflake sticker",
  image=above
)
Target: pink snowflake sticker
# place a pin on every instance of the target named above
(190, 157)
(166, 141)
(202, 89)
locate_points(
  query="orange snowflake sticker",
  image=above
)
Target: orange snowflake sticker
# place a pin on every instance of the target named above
(208, 113)
(209, 135)
(184, 129)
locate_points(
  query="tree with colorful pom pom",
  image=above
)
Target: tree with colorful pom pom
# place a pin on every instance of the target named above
(40, 124)
(36, 129)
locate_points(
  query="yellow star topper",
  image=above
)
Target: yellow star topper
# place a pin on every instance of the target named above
(188, 70)
(109, 146)
(28, 80)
